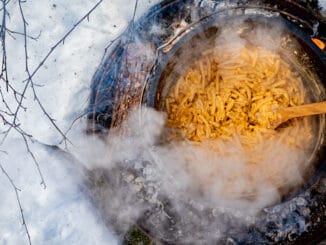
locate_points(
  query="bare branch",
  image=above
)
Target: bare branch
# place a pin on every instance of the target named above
(73, 122)
(34, 159)
(63, 39)
(4, 73)
(132, 27)
(134, 15)
(9, 112)
(18, 201)
(29, 81)
(12, 33)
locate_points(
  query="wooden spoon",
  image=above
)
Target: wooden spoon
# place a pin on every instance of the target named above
(285, 114)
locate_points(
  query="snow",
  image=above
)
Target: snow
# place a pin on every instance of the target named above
(61, 213)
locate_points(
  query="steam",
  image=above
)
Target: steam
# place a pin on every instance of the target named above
(136, 176)
(181, 191)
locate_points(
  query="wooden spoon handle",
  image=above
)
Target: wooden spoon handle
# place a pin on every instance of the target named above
(303, 110)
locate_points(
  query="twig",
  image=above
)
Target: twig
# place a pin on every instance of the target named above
(4, 73)
(62, 40)
(18, 201)
(132, 27)
(34, 159)
(9, 113)
(22, 34)
(29, 80)
(74, 121)
(134, 15)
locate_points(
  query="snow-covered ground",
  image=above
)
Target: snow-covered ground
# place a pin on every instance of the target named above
(60, 213)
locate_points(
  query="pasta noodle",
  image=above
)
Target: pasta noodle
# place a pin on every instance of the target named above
(227, 92)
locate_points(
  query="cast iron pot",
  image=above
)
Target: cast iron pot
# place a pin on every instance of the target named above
(135, 73)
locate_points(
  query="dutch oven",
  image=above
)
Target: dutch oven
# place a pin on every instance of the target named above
(134, 73)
